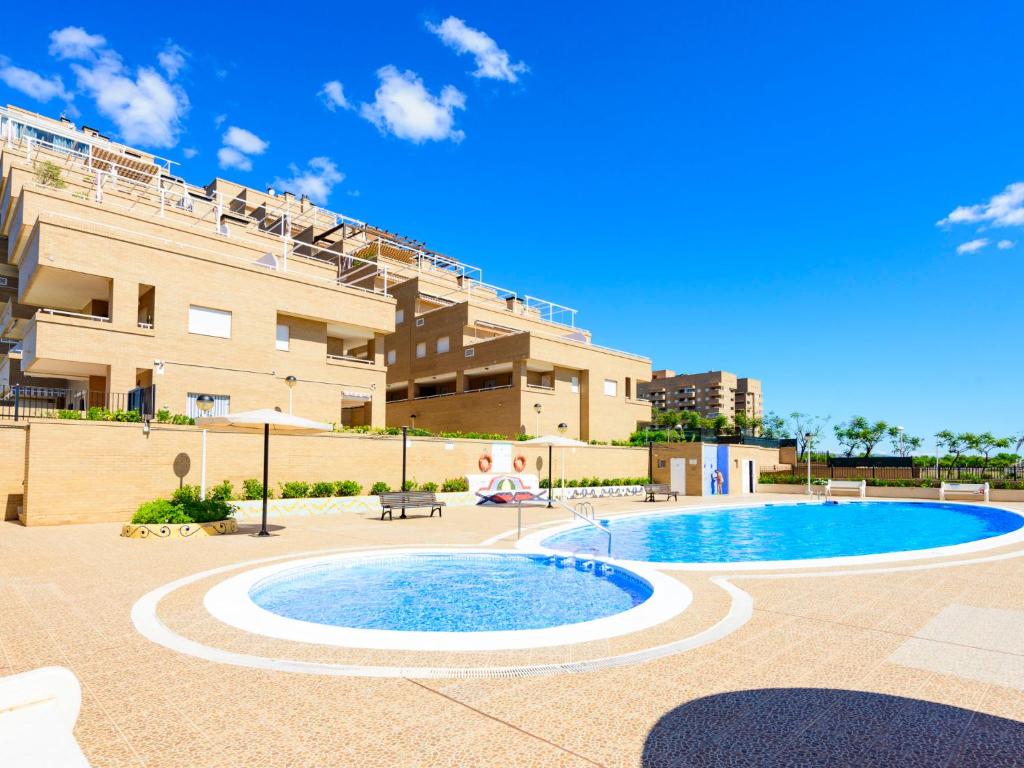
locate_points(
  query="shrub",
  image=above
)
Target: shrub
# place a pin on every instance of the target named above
(208, 510)
(455, 485)
(295, 489)
(322, 489)
(429, 486)
(164, 416)
(379, 487)
(48, 174)
(159, 512)
(410, 485)
(186, 494)
(347, 488)
(224, 491)
(253, 490)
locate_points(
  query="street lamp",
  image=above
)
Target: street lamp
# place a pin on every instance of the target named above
(562, 430)
(679, 432)
(538, 408)
(291, 381)
(205, 404)
(807, 442)
(900, 431)
(412, 416)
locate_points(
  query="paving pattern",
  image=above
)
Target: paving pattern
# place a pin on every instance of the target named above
(875, 666)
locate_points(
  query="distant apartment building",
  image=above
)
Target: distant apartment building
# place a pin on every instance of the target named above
(710, 394)
(122, 285)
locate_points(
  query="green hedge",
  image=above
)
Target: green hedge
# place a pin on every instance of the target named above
(596, 482)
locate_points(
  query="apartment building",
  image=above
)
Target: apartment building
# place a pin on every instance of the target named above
(123, 285)
(128, 287)
(710, 394)
(470, 356)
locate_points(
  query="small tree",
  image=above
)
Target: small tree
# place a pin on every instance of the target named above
(802, 424)
(985, 443)
(860, 432)
(903, 444)
(954, 443)
(774, 426)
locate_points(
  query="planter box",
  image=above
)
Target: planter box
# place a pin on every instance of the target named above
(596, 492)
(185, 531)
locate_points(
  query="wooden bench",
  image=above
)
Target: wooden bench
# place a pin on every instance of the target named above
(860, 487)
(973, 489)
(653, 488)
(404, 500)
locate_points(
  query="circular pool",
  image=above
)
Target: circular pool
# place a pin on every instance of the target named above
(793, 533)
(446, 600)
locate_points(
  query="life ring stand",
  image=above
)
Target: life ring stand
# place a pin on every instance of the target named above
(485, 462)
(519, 463)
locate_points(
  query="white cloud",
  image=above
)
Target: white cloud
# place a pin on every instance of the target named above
(333, 96)
(1005, 245)
(972, 246)
(1003, 210)
(229, 157)
(404, 107)
(145, 108)
(172, 59)
(189, 152)
(218, 120)
(244, 141)
(75, 43)
(33, 84)
(316, 181)
(491, 61)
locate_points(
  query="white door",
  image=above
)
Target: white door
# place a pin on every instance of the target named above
(677, 471)
(747, 474)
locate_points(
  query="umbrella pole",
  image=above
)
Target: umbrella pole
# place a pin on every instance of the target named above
(551, 490)
(266, 461)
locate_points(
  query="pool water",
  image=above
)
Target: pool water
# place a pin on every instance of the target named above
(438, 592)
(792, 531)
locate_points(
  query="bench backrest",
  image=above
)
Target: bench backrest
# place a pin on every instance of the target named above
(846, 483)
(656, 487)
(408, 497)
(965, 487)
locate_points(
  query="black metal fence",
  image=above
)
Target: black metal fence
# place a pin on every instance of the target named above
(25, 402)
(951, 474)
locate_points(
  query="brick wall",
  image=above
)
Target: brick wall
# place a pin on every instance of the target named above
(12, 469)
(101, 471)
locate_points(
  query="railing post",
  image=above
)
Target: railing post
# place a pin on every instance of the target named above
(17, 399)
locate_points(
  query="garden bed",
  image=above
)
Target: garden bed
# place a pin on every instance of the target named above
(179, 531)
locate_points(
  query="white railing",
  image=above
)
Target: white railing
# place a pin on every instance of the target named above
(350, 359)
(78, 315)
(146, 326)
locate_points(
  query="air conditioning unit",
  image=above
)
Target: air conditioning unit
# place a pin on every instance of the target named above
(469, 352)
(420, 321)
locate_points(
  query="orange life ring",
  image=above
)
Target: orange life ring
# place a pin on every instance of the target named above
(519, 462)
(484, 462)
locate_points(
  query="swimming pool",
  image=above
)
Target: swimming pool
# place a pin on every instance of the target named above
(776, 533)
(454, 600)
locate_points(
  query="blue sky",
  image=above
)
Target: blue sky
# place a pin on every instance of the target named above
(714, 186)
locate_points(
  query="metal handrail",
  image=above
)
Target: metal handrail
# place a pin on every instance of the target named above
(584, 518)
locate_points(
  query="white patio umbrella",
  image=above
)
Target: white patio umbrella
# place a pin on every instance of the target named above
(265, 420)
(551, 441)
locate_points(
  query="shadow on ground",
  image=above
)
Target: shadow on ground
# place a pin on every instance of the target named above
(817, 727)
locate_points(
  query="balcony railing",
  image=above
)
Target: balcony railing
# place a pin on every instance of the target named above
(24, 402)
(78, 315)
(350, 359)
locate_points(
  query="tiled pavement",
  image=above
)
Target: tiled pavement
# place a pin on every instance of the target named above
(908, 667)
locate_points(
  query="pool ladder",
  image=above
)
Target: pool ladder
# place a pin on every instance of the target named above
(580, 512)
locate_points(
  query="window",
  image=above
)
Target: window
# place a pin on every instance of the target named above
(209, 322)
(421, 349)
(442, 345)
(611, 387)
(574, 384)
(399, 316)
(221, 405)
(282, 337)
(392, 356)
